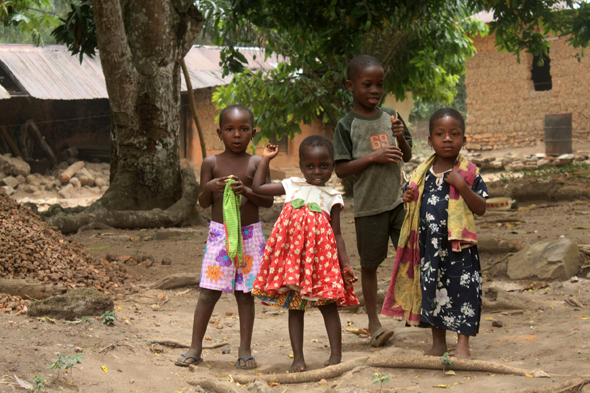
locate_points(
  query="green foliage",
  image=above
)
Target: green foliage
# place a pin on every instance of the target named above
(28, 21)
(524, 26)
(422, 109)
(65, 362)
(39, 384)
(379, 379)
(86, 319)
(446, 362)
(422, 45)
(108, 318)
(77, 30)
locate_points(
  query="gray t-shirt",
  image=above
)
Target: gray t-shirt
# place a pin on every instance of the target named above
(376, 188)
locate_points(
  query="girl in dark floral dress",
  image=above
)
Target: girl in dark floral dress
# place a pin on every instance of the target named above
(442, 196)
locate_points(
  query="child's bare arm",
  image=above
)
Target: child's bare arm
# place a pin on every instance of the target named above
(209, 185)
(476, 203)
(261, 184)
(257, 199)
(345, 168)
(347, 271)
(397, 129)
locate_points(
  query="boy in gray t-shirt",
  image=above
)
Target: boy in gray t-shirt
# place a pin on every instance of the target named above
(370, 143)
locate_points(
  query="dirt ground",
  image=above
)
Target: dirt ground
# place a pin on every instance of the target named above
(539, 331)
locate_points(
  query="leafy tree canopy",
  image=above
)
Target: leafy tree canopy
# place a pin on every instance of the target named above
(28, 21)
(423, 46)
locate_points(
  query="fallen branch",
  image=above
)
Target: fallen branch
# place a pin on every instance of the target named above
(561, 387)
(30, 289)
(214, 385)
(410, 361)
(108, 348)
(177, 344)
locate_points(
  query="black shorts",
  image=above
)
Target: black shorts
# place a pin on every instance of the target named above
(373, 234)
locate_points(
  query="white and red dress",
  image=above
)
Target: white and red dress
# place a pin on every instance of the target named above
(300, 267)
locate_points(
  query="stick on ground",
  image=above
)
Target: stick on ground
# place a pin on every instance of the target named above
(411, 361)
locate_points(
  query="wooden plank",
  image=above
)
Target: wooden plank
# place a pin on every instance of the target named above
(44, 146)
(11, 142)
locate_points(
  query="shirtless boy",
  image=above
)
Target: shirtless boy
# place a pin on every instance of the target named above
(219, 273)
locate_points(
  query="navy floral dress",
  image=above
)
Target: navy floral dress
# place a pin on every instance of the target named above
(450, 281)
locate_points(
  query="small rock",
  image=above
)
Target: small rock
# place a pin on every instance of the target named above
(9, 190)
(574, 279)
(588, 276)
(226, 350)
(131, 381)
(229, 313)
(259, 387)
(497, 324)
(78, 350)
(31, 189)
(322, 382)
(166, 261)
(76, 183)
(100, 182)
(10, 181)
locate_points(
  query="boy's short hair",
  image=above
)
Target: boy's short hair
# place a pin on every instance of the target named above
(239, 108)
(439, 114)
(316, 141)
(359, 63)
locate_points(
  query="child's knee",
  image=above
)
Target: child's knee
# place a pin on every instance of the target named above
(209, 296)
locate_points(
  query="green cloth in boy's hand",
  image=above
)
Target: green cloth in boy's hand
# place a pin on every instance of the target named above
(233, 224)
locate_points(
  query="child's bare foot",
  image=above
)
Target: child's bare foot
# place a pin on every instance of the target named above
(298, 365)
(436, 350)
(462, 351)
(333, 360)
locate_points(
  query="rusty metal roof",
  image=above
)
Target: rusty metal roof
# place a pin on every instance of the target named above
(52, 73)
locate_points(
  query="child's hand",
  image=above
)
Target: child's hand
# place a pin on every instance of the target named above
(455, 179)
(217, 185)
(238, 187)
(270, 151)
(387, 154)
(349, 276)
(397, 128)
(408, 195)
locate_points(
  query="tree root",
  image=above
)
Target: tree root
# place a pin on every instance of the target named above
(410, 361)
(214, 385)
(573, 385)
(177, 344)
(130, 219)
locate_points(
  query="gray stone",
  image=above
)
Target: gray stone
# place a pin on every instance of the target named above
(10, 181)
(516, 166)
(76, 183)
(85, 177)
(31, 189)
(259, 387)
(569, 157)
(562, 162)
(496, 164)
(530, 167)
(543, 163)
(66, 192)
(21, 179)
(540, 155)
(585, 153)
(100, 182)
(73, 305)
(14, 165)
(579, 158)
(554, 260)
(9, 190)
(104, 189)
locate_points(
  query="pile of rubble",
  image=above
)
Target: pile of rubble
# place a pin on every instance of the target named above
(13, 304)
(511, 162)
(30, 249)
(66, 178)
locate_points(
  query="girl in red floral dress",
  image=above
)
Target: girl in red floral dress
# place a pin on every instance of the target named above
(305, 262)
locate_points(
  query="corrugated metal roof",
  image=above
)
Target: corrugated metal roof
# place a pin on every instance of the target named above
(51, 73)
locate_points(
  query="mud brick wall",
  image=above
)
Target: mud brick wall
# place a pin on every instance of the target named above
(505, 110)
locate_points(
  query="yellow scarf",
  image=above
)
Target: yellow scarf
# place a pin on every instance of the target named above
(404, 296)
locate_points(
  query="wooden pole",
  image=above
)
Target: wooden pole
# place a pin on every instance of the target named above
(44, 146)
(11, 142)
(191, 100)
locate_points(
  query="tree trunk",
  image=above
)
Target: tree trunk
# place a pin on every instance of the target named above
(141, 45)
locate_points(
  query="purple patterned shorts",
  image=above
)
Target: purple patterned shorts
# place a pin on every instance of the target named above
(218, 271)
